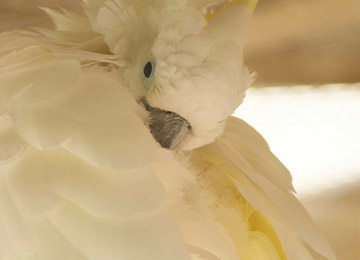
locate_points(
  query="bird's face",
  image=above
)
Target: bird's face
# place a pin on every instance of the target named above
(187, 80)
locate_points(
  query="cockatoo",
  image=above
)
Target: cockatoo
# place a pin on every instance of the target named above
(116, 141)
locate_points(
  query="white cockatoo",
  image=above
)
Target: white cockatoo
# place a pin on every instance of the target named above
(116, 141)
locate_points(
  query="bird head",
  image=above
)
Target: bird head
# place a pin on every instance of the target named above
(183, 63)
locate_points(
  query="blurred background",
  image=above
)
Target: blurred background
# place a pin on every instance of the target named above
(306, 101)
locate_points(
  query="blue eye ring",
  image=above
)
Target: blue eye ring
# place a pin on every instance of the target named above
(148, 72)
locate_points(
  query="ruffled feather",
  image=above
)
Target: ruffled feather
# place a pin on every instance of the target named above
(75, 154)
(266, 185)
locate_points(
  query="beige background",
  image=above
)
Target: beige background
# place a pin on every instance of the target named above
(305, 41)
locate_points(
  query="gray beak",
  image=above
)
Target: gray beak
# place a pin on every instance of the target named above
(168, 128)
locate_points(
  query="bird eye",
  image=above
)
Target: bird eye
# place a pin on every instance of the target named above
(148, 72)
(148, 69)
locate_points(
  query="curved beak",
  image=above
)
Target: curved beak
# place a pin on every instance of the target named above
(168, 128)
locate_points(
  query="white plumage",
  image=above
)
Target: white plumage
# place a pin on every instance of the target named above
(82, 176)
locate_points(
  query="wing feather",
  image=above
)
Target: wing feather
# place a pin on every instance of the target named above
(55, 246)
(149, 236)
(211, 238)
(11, 143)
(68, 21)
(33, 75)
(21, 236)
(75, 181)
(267, 186)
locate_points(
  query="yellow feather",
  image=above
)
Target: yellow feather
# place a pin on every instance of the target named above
(252, 233)
(260, 222)
(250, 3)
(261, 248)
(270, 209)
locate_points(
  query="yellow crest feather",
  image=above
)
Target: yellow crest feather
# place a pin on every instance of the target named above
(250, 3)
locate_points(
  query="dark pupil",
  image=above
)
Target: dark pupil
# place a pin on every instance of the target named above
(148, 69)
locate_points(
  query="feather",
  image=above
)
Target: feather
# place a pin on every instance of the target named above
(55, 246)
(210, 239)
(260, 248)
(68, 21)
(80, 116)
(113, 19)
(209, 6)
(273, 200)
(107, 148)
(293, 246)
(190, 202)
(6, 251)
(94, 190)
(44, 179)
(11, 144)
(150, 236)
(28, 186)
(230, 24)
(92, 9)
(34, 79)
(22, 238)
